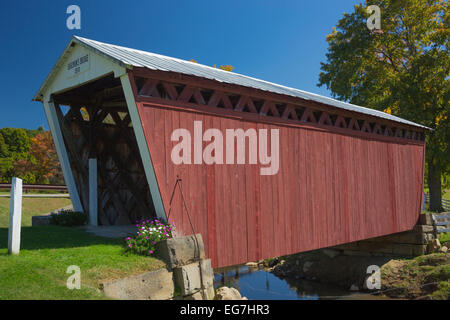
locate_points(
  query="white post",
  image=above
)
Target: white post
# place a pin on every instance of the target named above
(15, 216)
(423, 201)
(93, 193)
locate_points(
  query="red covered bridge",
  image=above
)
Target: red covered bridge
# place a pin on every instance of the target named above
(344, 172)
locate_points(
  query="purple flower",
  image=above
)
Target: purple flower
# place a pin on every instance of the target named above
(150, 251)
(154, 242)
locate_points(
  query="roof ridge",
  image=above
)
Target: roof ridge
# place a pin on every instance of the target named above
(140, 58)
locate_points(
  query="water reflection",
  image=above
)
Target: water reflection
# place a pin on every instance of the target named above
(257, 284)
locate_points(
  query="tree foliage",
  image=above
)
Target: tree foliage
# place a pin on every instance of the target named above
(42, 163)
(227, 67)
(30, 155)
(16, 141)
(402, 69)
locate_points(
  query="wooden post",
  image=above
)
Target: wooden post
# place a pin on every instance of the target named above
(423, 201)
(15, 216)
(93, 193)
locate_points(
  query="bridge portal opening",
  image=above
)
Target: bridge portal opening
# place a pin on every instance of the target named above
(95, 123)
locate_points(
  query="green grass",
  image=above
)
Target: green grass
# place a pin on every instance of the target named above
(444, 237)
(31, 207)
(39, 271)
(426, 275)
(446, 194)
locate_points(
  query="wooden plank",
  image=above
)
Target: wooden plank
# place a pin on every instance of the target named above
(15, 216)
(258, 94)
(324, 180)
(93, 192)
(437, 217)
(211, 210)
(256, 117)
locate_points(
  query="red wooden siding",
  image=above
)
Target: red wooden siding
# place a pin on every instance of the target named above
(330, 189)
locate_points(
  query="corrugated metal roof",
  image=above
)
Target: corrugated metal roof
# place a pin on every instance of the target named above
(138, 58)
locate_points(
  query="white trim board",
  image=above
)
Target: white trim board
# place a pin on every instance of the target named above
(77, 65)
(55, 129)
(143, 147)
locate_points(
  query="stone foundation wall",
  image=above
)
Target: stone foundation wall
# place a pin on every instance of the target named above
(188, 275)
(192, 273)
(406, 244)
(44, 220)
(346, 265)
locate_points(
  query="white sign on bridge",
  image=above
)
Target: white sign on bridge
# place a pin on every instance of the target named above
(78, 65)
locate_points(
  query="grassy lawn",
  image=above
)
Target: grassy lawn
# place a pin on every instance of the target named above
(31, 207)
(446, 194)
(39, 271)
(444, 237)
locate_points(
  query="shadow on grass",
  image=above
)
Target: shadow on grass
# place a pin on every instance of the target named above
(53, 237)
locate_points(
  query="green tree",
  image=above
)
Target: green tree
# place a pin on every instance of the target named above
(14, 145)
(16, 139)
(42, 165)
(33, 133)
(4, 150)
(401, 69)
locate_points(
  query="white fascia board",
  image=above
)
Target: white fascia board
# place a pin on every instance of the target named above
(55, 129)
(143, 148)
(73, 69)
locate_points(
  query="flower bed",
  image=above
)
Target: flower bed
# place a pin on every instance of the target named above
(149, 233)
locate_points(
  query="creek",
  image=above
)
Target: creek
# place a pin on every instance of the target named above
(259, 284)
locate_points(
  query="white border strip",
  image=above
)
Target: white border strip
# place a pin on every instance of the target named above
(143, 147)
(55, 129)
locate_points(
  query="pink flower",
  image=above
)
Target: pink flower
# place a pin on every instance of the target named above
(154, 242)
(150, 251)
(130, 245)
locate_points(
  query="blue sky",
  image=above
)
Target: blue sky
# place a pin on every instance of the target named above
(278, 41)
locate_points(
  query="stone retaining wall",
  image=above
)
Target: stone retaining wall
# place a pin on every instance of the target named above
(346, 265)
(188, 276)
(44, 220)
(406, 244)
